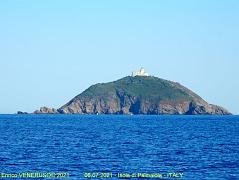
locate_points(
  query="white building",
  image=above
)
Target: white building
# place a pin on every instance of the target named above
(141, 72)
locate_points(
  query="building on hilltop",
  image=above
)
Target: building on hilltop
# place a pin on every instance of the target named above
(141, 72)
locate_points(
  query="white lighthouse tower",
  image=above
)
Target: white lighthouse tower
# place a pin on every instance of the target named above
(141, 72)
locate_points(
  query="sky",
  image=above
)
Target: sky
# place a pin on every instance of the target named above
(50, 51)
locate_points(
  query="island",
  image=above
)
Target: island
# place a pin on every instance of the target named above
(139, 93)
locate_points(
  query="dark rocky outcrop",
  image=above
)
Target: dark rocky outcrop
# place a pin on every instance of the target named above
(138, 95)
(20, 112)
(46, 110)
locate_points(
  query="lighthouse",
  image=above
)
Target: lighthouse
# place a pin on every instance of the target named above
(141, 72)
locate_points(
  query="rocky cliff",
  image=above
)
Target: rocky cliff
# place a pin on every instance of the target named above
(138, 95)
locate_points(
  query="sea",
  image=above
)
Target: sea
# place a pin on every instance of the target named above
(119, 147)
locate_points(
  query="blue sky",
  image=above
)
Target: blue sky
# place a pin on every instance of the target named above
(50, 51)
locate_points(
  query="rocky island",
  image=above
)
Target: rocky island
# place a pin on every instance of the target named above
(138, 94)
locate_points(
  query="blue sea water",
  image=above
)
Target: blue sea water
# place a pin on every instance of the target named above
(200, 147)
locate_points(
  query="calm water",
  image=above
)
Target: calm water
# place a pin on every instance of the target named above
(200, 147)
